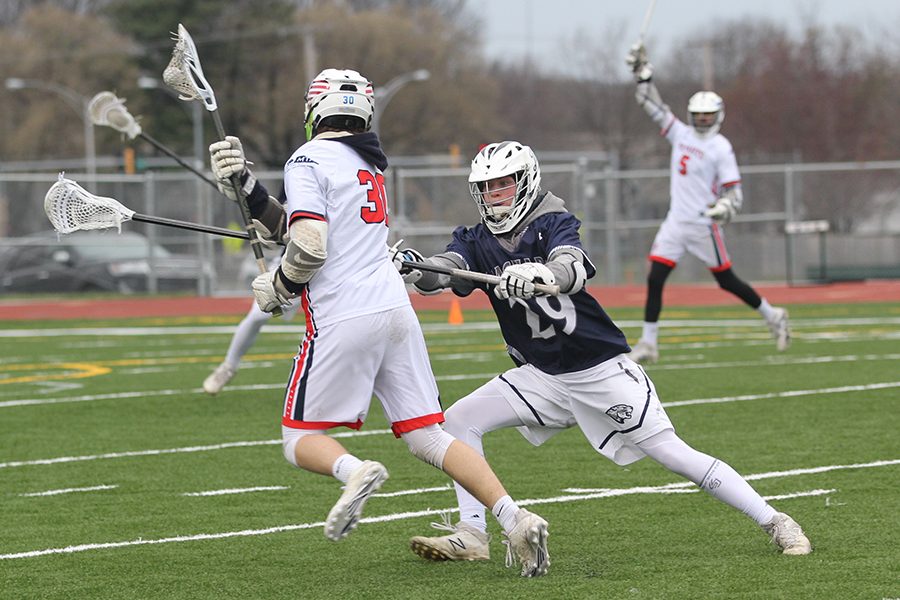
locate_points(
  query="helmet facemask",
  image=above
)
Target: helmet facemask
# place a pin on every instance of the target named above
(503, 208)
(706, 112)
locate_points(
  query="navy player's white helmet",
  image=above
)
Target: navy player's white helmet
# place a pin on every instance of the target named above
(706, 103)
(339, 93)
(499, 160)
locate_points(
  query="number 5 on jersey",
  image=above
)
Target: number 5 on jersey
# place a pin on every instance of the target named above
(376, 211)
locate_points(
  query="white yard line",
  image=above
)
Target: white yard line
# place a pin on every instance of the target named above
(262, 488)
(605, 493)
(429, 327)
(765, 362)
(700, 401)
(70, 491)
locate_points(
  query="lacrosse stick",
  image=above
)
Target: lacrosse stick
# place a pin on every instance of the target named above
(185, 75)
(72, 208)
(107, 109)
(646, 23)
(551, 290)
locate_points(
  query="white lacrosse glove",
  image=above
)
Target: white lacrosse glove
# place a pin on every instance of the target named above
(722, 211)
(637, 61)
(398, 257)
(227, 160)
(517, 281)
(269, 292)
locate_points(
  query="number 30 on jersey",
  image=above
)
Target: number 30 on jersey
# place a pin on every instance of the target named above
(376, 196)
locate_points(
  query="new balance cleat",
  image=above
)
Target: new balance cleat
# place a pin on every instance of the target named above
(218, 378)
(527, 543)
(363, 482)
(788, 535)
(463, 543)
(644, 353)
(781, 329)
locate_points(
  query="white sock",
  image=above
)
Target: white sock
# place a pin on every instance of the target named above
(472, 514)
(343, 466)
(725, 484)
(505, 510)
(766, 310)
(651, 331)
(713, 476)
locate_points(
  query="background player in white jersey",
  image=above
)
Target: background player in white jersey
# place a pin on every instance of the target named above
(243, 339)
(362, 336)
(705, 193)
(572, 367)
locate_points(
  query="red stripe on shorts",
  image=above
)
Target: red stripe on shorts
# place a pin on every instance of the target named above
(399, 427)
(660, 259)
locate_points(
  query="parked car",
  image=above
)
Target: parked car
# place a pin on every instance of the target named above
(93, 261)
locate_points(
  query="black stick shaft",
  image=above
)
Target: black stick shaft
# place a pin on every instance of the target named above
(159, 146)
(190, 226)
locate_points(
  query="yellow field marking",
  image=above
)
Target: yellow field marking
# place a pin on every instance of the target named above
(76, 371)
(58, 371)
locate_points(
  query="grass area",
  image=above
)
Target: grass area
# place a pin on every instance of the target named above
(116, 405)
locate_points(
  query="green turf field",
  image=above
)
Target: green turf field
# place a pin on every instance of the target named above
(107, 444)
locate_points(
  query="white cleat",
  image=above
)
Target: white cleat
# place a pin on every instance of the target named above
(644, 353)
(463, 543)
(528, 542)
(781, 329)
(788, 535)
(218, 378)
(363, 482)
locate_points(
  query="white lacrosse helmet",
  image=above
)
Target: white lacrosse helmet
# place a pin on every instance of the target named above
(706, 102)
(499, 160)
(338, 92)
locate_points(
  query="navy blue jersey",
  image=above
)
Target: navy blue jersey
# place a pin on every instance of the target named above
(556, 334)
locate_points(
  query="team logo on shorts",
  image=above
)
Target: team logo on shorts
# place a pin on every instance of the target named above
(619, 413)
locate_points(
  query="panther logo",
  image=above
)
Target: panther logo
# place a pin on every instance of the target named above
(619, 413)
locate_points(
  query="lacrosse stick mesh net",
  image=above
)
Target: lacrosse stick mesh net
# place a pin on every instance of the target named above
(184, 73)
(72, 208)
(107, 109)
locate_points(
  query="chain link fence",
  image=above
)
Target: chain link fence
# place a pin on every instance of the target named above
(620, 210)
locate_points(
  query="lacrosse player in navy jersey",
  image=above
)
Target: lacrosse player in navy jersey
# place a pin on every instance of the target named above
(705, 194)
(362, 335)
(572, 365)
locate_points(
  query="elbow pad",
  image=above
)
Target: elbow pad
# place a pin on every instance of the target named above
(568, 268)
(306, 251)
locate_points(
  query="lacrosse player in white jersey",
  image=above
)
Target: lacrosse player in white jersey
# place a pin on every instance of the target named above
(243, 339)
(572, 367)
(362, 336)
(705, 194)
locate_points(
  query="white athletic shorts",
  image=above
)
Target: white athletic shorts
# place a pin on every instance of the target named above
(340, 366)
(705, 241)
(614, 404)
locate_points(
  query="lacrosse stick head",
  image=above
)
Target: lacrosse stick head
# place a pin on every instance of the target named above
(107, 109)
(71, 208)
(184, 73)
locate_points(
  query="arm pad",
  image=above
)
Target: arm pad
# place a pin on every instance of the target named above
(306, 252)
(648, 98)
(736, 196)
(567, 265)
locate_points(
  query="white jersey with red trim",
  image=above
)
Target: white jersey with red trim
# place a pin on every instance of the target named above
(701, 169)
(328, 180)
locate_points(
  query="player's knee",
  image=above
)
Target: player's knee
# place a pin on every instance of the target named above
(289, 439)
(726, 279)
(658, 274)
(429, 444)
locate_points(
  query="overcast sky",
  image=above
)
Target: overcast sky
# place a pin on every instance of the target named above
(519, 28)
